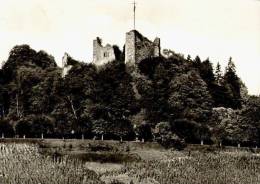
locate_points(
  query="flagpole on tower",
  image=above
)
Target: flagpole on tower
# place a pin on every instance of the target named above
(134, 12)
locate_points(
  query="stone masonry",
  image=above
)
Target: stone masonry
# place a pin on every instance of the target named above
(102, 55)
(65, 67)
(138, 47)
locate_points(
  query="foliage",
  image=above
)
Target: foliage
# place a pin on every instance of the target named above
(191, 131)
(233, 84)
(23, 128)
(166, 137)
(110, 100)
(6, 129)
(143, 131)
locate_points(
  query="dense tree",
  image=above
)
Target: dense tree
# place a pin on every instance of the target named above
(250, 119)
(153, 85)
(115, 99)
(236, 126)
(218, 74)
(172, 98)
(233, 84)
(190, 98)
(206, 72)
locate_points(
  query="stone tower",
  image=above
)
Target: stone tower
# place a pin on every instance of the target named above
(102, 55)
(138, 47)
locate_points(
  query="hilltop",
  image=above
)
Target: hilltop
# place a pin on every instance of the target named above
(173, 100)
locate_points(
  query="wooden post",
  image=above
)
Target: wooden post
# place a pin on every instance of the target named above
(3, 135)
(142, 139)
(238, 145)
(82, 136)
(102, 137)
(42, 136)
(24, 136)
(201, 142)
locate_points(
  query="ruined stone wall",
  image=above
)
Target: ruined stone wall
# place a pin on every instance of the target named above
(138, 47)
(157, 47)
(130, 47)
(65, 67)
(102, 55)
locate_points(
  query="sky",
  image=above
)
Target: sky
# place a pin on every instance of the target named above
(217, 29)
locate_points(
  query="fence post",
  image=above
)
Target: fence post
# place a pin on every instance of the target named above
(82, 136)
(201, 142)
(102, 137)
(24, 136)
(3, 135)
(42, 136)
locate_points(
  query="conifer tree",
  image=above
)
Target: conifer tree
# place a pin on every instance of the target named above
(218, 74)
(232, 83)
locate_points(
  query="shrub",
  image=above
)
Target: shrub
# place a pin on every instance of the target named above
(6, 128)
(167, 138)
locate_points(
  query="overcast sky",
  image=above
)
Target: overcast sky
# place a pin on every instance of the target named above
(216, 29)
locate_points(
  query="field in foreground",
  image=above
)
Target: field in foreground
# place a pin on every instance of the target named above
(23, 163)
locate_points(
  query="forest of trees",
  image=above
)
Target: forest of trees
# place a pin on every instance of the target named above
(172, 100)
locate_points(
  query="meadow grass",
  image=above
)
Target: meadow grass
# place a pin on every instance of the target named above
(22, 163)
(198, 168)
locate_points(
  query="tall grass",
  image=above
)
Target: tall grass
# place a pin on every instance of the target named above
(199, 168)
(22, 163)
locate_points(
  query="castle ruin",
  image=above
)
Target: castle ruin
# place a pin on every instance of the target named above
(137, 48)
(102, 55)
(65, 66)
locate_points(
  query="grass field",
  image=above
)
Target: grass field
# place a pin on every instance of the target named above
(23, 163)
(222, 168)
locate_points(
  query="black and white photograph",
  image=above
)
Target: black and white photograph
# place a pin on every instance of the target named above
(129, 92)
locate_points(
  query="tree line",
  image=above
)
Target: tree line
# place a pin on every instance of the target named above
(173, 100)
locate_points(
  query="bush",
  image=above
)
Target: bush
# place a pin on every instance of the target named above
(34, 126)
(143, 131)
(167, 138)
(42, 125)
(6, 128)
(190, 131)
(23, 127)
